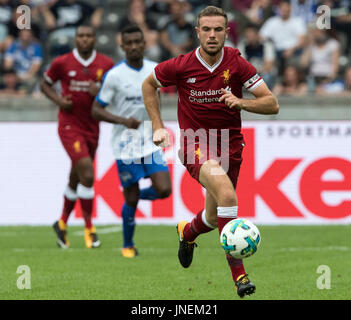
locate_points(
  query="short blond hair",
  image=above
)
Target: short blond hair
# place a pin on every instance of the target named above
(212, 11)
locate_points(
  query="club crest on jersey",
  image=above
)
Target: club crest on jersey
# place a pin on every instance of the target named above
(99, 74)
(77, 147)
(198, 153)
(226, 76)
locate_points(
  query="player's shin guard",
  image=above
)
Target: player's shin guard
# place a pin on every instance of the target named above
(70, 197)
(86, 197)
(226, 214)
(128, 214)
(197, 226)
(148, 194)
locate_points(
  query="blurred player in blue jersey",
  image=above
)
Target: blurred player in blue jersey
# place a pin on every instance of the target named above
(136, 155)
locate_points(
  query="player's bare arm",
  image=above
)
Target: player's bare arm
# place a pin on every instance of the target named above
(265, 102)
(64, 103)
(100, 113)
(152, 104)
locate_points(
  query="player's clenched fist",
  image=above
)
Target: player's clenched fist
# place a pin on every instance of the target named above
(230, 100)
(162, 138)
(93, 88)
(66, 103)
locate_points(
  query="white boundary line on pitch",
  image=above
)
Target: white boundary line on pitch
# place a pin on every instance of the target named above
(295, 249)
(327, 248)
(100, 231)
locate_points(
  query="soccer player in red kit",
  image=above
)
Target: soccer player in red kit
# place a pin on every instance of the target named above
(209, 81)
(80, 73)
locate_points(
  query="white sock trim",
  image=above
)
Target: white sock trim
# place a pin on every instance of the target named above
(203, 216)
(84, 192)
(227, 212)
(70, 194)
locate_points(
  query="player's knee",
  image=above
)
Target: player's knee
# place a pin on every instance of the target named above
(131, 199)
(164, 191)
(87, 178)
(132, 202)
(227, 197)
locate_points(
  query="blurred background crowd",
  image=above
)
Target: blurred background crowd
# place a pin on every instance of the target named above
(281, 38)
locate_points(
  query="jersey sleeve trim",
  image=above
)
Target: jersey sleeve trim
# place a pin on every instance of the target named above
(103, 103)
(253, 83)
(155, 77)
(48, 79)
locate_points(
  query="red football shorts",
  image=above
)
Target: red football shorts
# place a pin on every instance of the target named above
(77, 144)
(194, 157)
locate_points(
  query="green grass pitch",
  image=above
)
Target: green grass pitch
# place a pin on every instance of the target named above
(284, 267)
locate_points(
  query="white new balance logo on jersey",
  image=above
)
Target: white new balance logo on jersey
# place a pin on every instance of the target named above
(191, 80)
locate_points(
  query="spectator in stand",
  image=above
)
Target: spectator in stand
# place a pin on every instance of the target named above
(233, 35)
(260, 11)
(6, 9)
(340, 88)
(198, 5)
(137, 15)
(178, 35)
(6, 12)
(261, 54)
(37, 16)
(287, 33)
(321, 57)
(158, 11)
(341, 19)
(292, 84)
(72, 13)
(253, 11)
(64, 16)
(34, 21)
(3, 38)
(305, 9)
(10, 86)
(25, 55)
(158, 6)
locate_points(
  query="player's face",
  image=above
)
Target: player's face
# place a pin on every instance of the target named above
(212, 33)
(133, 45)
(85, 39)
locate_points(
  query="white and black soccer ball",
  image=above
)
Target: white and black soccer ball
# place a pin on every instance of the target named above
(240, 238)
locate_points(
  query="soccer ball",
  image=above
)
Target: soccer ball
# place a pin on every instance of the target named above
(240, 238)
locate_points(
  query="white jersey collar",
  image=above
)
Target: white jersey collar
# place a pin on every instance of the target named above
(87, 62)
(205, 64)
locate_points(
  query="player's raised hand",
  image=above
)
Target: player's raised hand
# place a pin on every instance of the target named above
(66, 103)
(230, 100)
(132, 123)
(162, 138)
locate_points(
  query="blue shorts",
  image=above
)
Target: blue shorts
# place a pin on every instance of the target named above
(130, 172)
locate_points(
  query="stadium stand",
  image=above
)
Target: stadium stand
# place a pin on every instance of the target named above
(240, 13)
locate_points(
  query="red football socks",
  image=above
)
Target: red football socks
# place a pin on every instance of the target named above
(226, 214)
(68, 206)
(86, 197)
(87, 209)
(69, 201)
(197, 226)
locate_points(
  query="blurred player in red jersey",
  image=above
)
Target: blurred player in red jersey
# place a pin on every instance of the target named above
(209, 81)
(80, 73)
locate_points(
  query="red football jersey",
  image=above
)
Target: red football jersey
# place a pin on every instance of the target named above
(199, 88)
(75, 74)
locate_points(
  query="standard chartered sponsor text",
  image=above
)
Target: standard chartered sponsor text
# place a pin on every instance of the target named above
(204, 96)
